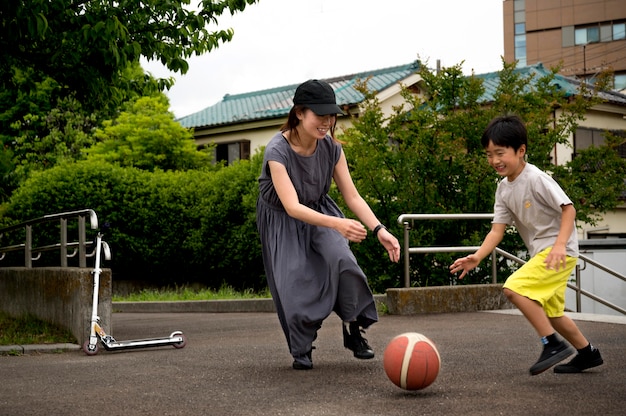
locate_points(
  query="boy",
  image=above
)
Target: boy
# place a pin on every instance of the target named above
(545, 219)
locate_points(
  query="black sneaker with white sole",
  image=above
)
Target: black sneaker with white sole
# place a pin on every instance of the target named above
(551, 354)
(581, 362)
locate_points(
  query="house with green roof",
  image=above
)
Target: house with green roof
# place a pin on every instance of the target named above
(243, 123)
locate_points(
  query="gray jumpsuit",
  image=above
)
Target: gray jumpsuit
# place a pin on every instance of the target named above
(310, 270)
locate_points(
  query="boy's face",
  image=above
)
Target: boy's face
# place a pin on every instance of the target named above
(506, 161)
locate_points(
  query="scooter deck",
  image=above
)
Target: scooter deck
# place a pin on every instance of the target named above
(177, 339)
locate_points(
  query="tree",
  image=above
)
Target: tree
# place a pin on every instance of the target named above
(44, 127)
(426, 157)
(85, 45)
(67, 65)
(147, 137)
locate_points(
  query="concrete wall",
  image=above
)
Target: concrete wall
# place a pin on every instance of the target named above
(444, 299)
(59, 295)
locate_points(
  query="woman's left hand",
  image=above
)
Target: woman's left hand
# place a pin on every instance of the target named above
(390, 243)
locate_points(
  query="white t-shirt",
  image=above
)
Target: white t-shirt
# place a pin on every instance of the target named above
(532, 203)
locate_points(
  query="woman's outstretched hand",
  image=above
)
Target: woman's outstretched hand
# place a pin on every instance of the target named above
(390, 243)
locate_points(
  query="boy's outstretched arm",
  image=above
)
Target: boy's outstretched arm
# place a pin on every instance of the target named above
(489, 244)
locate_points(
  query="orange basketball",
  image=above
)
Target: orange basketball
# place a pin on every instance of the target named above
(411, 361)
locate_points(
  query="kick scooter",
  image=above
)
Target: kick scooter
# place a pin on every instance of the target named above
(177, 339)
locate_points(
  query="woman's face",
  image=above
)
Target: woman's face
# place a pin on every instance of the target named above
(314, 126)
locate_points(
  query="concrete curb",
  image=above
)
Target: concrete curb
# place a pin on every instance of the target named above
(206, 306)
(233, 306)
(37, 348)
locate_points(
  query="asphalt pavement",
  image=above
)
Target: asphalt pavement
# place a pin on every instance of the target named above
(238, 364)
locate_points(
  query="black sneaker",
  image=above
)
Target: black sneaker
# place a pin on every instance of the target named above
(297, 365)
(581, 362)
(355, 342)
(304, 362)
(550, 356)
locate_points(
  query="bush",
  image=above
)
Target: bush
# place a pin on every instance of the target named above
(165, 227)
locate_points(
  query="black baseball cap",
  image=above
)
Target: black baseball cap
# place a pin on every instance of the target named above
(318, 96)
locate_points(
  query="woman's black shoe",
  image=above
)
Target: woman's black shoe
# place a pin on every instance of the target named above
(355, 342)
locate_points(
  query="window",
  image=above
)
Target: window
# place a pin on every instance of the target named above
(593, 34)
(520, 49)
(606, 32)
(619, 31)
(520, 28)
(619, 82)
(580, 36)
(230, 152)
(586, 137)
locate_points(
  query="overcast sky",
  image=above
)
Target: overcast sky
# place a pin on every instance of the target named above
(283, 42)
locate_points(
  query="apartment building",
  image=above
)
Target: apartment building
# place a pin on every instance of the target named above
(584, 36)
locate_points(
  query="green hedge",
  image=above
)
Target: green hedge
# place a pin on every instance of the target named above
(169, 228)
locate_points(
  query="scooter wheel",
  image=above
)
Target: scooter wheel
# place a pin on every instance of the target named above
(182, 343)
(90, 349)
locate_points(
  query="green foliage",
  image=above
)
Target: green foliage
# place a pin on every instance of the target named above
(426, 157)
(174, 220)
(65, 66)
(165, 227)
(594, 179)
(186, 293)
(85, 46)
(44, 127)
(147, 137)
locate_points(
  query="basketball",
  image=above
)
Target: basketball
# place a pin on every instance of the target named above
(411, 361)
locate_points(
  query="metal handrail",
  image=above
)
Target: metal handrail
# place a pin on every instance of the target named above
(580, 291)
(34, 253)
(405, 218)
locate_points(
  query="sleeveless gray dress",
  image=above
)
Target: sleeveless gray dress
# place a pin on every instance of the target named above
(310, 270)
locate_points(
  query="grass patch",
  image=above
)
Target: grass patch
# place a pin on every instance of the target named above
(31, 330)
(186, 293)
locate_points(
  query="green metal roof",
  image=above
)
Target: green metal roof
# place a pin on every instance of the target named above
(276, 102)
(570, 86)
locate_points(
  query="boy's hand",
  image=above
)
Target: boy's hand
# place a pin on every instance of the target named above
(556, 258)
(466, 264)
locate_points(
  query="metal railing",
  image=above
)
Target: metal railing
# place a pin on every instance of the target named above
(580, 291)
(66, 248)
(407, 219)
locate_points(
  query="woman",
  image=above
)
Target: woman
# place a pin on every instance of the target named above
(310, 268)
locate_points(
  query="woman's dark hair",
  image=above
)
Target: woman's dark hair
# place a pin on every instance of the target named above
(506, 131)
(293, 121)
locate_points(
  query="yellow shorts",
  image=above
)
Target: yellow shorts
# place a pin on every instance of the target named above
(535, 281)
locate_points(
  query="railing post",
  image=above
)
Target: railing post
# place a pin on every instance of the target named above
(407, 279)
(578, 287)
(63, 242)
(82, 242)
(28, 247)
(494, 268)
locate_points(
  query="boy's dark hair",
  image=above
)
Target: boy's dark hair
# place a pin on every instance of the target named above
(506, 131)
